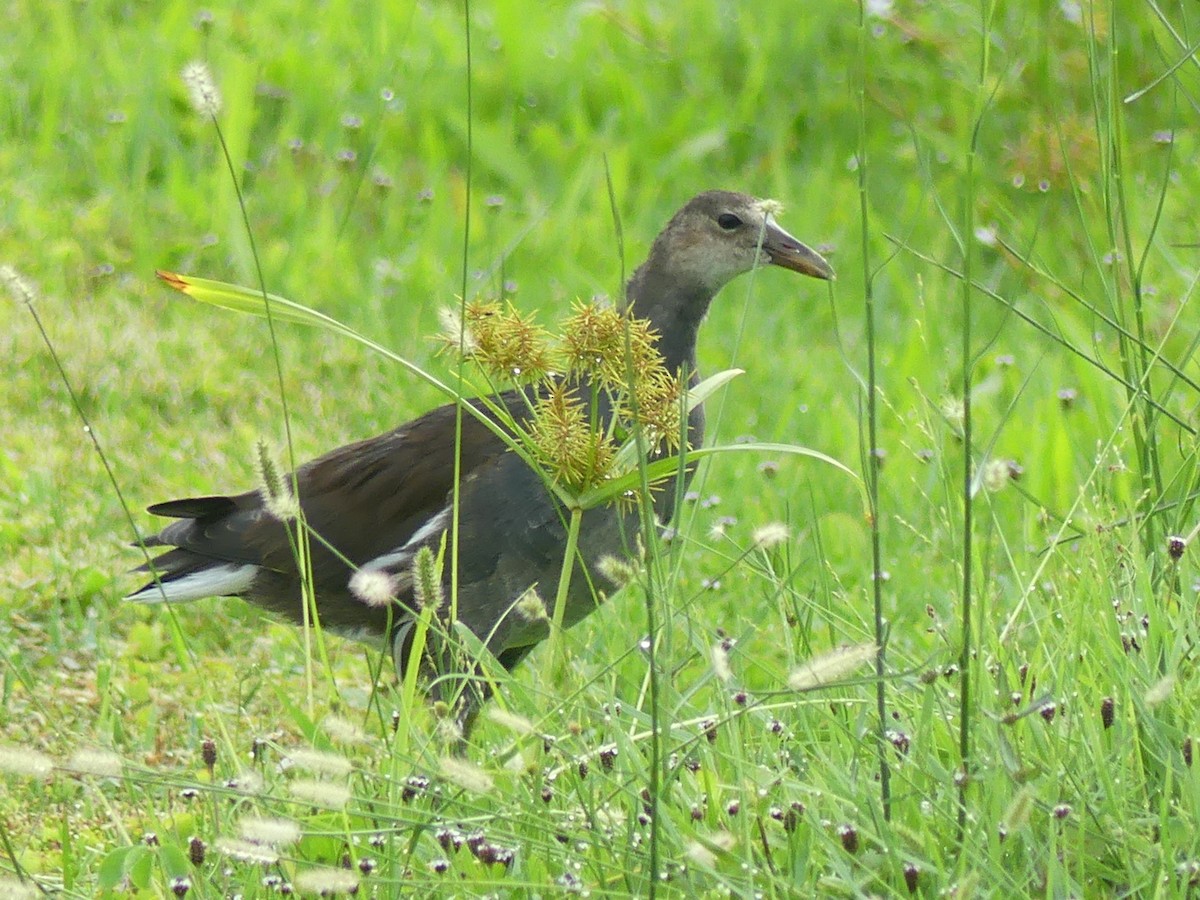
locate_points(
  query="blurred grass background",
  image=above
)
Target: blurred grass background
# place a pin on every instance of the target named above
(348, 125)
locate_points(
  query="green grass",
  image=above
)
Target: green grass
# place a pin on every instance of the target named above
(1081, 368)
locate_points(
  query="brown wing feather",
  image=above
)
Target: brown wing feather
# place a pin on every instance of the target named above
(362, 500)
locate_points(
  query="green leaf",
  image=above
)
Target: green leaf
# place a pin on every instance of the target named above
(139, 866)
(246, 300)
(710, 385)
(175, 863)
(111, 871)
(237, 298)
(665, 468)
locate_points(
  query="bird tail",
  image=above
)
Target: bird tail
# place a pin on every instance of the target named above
(181, 575)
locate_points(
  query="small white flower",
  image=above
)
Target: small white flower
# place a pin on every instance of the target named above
(987, 235)
(770, 208)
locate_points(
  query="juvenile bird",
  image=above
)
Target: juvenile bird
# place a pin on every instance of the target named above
(373, 504)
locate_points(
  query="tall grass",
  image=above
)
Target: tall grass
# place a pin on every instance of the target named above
(1022, 241)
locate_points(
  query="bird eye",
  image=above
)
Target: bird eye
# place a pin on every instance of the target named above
(729, 221)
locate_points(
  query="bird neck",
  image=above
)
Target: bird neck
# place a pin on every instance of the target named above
(674, 309)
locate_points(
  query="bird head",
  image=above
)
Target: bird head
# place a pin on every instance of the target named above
(719, 235)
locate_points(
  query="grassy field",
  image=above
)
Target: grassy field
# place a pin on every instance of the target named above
(1008, 195)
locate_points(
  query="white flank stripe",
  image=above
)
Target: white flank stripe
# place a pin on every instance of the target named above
(216, 581)
(399, 559)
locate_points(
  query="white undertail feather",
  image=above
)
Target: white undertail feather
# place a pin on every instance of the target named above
(400, 559)
(216, 581)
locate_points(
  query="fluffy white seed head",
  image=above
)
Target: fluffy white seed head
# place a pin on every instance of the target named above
(24, 761)
(465, 775)
(319, 761)
(100, 763)
(510, 720)
(202, 88)
(246, 851)
(272, 832)
(720, 662)
(374, 587)
(326, 882)
(320, 793)
(830, 667)
(18, 286)
(770, 535)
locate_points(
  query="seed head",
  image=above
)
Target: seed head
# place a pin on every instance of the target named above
(770, 535)
(320, 793)
(277, 494)
(617, 570)
(197, 850)
(202, 89)
(427, 580)
(326, 882)
(455, 334)
(343, 730)
(319, 761)
(531, 607)
(564, 441)
(996, 474)
(24, 761)
(100, 763)
(466, 775)
(374, 587)
(504, 343)
(17, 285)
(1160, 691)
(830, 667)
(510, 720)
(247, 851)
(272, 832)
(720, 662)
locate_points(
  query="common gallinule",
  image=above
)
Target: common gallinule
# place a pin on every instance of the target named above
(373, 504)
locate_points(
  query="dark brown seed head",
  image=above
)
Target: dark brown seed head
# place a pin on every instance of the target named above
(208, 753)
(196, 850)
(849, 836)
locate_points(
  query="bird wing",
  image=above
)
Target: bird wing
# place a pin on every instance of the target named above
(361, 500)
